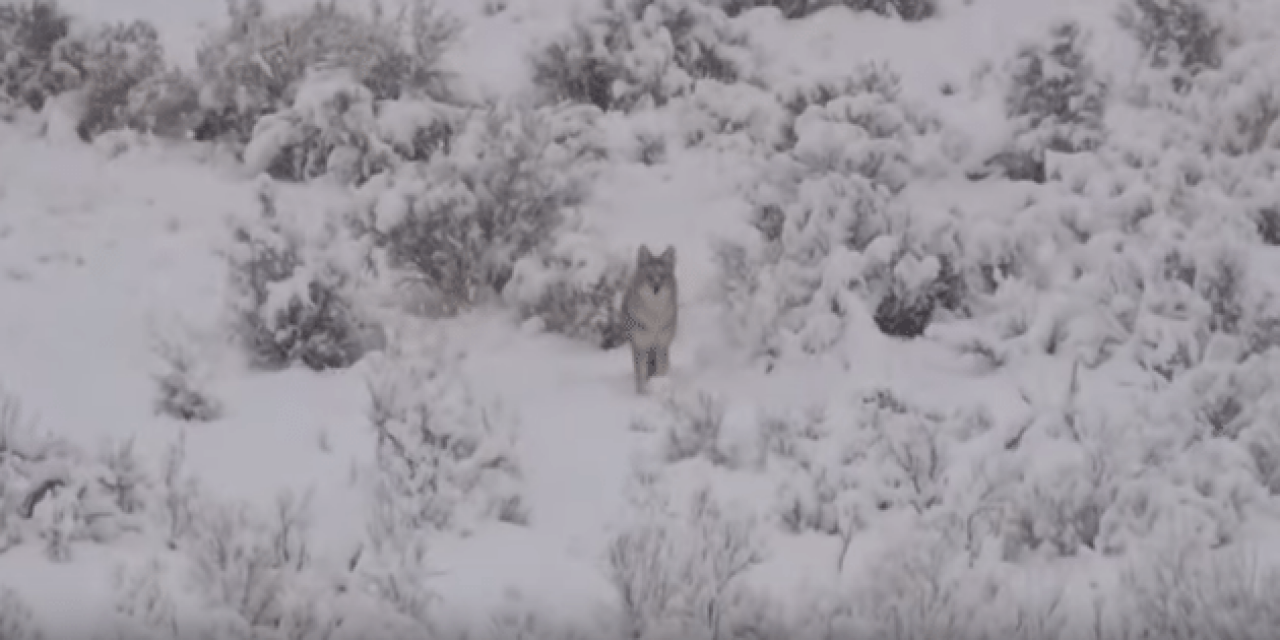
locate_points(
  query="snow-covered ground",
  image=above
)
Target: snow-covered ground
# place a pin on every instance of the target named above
(1034, 469)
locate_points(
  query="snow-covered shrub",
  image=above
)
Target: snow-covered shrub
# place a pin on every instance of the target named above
(128, 481)
(651, 149)
(1189, 592)
(1210, 490)
(909, 10)
(912, 284)
(1267, 220)
(418, 128)
(517, 619)
(1232, 401)
(642, 51)
(1221, 281)
(691, 427)
(166, 104)
(573, 288)
(118, 71)
(918, 590)
(254, 575)
(329, 129)
(110, 63)
(241, 571)
(1061, 504)
(460, 221)
(1138, 250)
(29, 74)
(1060, 512)
(920, 585)
(1179, 33)
(255, 66)
(737, 117)
(1200, 290)
(446, 459)
(178, 493)
(445, 462)
(678, 568)
(1055, 100)
(844, 464)
(1093, 471)
(16, 619)
(144, 605)
(1235, 109)
(53, 492)
(292, 302)
(182, 386)
(834, 238)
(244, 563)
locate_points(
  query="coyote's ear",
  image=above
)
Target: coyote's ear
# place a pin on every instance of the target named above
(643, 254)
(669, 256)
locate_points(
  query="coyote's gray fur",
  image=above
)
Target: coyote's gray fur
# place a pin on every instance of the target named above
(649, 313)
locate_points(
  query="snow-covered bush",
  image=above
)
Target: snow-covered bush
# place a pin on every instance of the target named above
(418, 128)
(835, 242)
(335, 127)
(446, 459)
(678, 568)
(1235, 109)
(233, 570)
(53, 492)
(182, 385)
(845, 464)
(518, 619)
(1188, 592)
(692, 428)
(909, 10)
(1141, 250)
(166, 104)
(1060, 505)
(251, 574)
(16, 619)
(1179, 33)
(329, 129)
(118, 70)
(631, 52)
(1093, 470)
(29, 73)
(921, 585)
(255, 66)
(572, 287)
(735, 118)
(291, 300)
(110, 63)
(177, 494)
(1056, 102)
(919, 590)
(144, 605)
(127, 479)
(460, 221)
(248, 566)
(1232, 401)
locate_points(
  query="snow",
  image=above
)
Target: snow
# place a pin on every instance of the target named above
(107, 248)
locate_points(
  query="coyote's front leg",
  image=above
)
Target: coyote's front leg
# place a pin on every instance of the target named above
(640, 361)
(662, 360)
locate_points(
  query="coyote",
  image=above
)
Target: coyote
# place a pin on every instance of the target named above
(649, 314)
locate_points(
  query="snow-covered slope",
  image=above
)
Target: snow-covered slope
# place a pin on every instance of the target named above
(1027, 466)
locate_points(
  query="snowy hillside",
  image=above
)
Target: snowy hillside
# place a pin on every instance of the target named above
(309, 328)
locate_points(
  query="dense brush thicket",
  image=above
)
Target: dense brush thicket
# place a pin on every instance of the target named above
(908, 10)
(1124, 234)
(1179, 33)
(631, 53)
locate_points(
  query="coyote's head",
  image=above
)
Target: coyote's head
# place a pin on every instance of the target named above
(655, 272)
